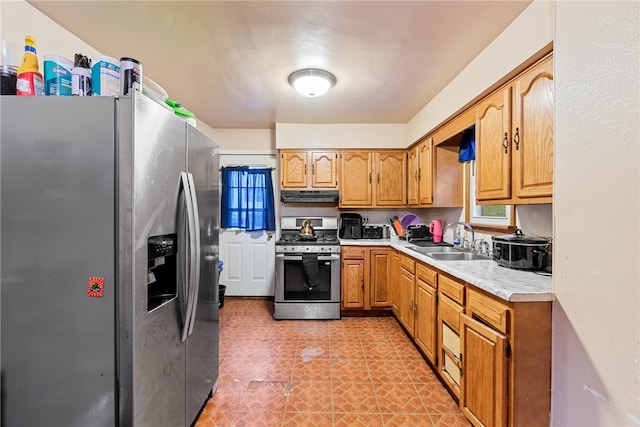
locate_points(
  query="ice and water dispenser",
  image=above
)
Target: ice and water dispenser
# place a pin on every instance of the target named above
(162, 283)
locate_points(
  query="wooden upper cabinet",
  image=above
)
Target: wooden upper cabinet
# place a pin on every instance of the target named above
(355, 178)
(293, 169)
(308, 169)
(493, 153)
(425, 172)
(391, 178)
(532, 131)
(514, 139)
(373, 178)
(412, 176)
(324, 169)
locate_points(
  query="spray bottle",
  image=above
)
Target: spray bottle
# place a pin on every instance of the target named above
(29, 78)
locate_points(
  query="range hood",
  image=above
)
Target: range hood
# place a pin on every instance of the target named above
(309, 196)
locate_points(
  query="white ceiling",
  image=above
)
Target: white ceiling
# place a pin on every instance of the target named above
(228, 61)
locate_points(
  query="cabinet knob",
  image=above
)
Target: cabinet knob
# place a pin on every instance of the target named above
(516, 138)
(505, 143)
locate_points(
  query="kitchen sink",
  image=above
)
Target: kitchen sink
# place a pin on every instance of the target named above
(457, 256)
(447, 253)
(433, 249)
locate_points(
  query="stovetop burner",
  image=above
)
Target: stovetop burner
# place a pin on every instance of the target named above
(293, 238)
(324, 239)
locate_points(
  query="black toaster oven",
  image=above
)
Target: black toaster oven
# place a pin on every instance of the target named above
(372, 232)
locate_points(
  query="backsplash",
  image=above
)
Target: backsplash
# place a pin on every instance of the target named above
(534, 220)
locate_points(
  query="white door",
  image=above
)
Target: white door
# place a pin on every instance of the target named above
(249, 256)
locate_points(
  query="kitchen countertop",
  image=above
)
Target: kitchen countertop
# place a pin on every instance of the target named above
(507, 284)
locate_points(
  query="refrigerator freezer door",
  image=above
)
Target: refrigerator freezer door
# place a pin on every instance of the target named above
(152, 158)
(57, 261)
(202, 344)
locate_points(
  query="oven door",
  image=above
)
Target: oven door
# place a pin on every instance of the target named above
(292, 283)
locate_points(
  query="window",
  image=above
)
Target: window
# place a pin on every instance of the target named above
(247, 199)
(487, 216)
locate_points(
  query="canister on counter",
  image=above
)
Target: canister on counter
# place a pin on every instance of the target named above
(130, 75)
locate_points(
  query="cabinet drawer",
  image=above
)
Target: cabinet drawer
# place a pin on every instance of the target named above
(408, 264)
(450, 340)
(451, 369)
(449, 312)
(451, 288)
(488, 310)
(352, 252)
(428, 275)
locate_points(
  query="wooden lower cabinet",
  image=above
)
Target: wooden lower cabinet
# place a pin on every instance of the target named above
(493, 355)
(426, 311)
(365, 277)
(406, 293)
(394, 283)
(506, 361)
(483, 394)
(450, 306)
(352, 283)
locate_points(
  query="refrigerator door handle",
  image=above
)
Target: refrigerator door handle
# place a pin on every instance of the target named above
(182, 254)
(186, 188)
(195, 241)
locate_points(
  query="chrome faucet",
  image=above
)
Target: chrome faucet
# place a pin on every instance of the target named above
(465, 225)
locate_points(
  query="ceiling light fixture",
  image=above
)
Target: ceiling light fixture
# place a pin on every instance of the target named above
(312, 82)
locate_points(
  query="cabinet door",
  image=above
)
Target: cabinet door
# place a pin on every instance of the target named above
(406, 300)
(293, 169)
(394, 284)
(380, 278)
(391, 178)
(425, 172)
(425, 322)
(355, 178)
(532, 132)
(483, 392)
(352, 283)
(412, 176)
(493, 152)
(324, 169)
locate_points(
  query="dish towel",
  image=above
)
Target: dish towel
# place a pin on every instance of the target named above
(311, 269)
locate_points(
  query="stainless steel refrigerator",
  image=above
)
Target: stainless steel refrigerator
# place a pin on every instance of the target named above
(109, 257)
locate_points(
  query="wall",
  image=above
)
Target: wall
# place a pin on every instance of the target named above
(596, 346)
(50, 37)
(360, 135)
(526, 35)
(245, 139)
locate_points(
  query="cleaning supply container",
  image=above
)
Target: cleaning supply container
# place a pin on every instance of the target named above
(130, 75)
(9, 67)
(105, 76)
(81, 76)
(29, 81)
(57, 75)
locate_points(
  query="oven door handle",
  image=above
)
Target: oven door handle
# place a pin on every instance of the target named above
(299, 257)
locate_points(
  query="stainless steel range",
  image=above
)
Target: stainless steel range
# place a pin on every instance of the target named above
(307, 270)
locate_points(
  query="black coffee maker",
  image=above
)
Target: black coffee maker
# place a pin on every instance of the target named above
(350, 226)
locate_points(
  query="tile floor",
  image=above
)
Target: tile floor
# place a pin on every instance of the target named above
(350, 372)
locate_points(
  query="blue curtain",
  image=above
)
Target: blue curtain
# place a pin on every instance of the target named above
(247, 199)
